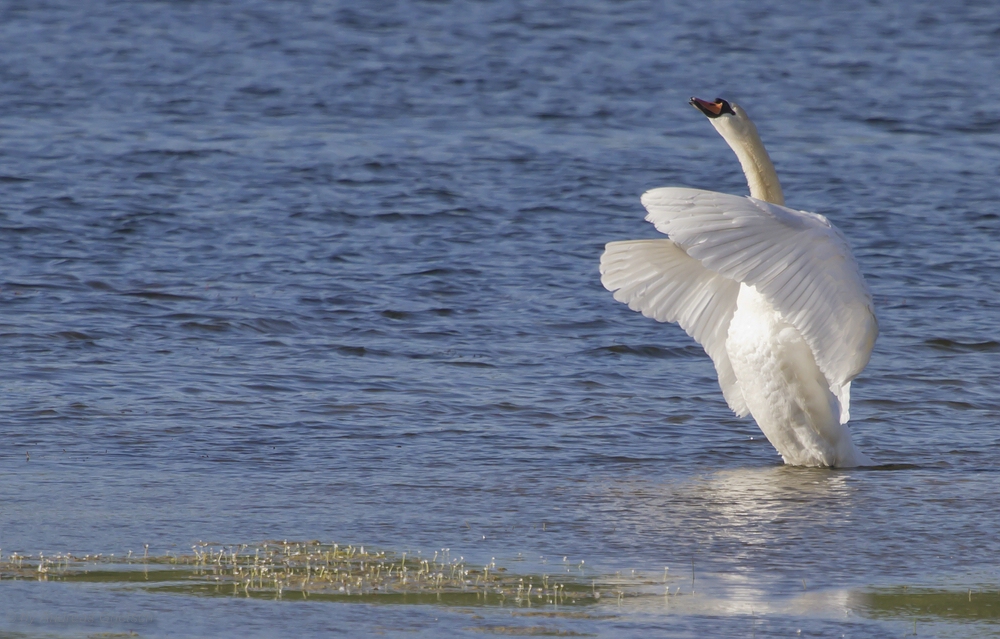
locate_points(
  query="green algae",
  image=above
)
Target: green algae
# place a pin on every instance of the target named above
(325, 572)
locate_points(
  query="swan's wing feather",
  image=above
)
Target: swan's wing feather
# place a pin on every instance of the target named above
(797, 260)
(658, 279)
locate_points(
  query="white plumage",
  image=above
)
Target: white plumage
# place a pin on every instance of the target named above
(772, 294)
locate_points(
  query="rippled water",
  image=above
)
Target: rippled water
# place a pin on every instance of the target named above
(276, 270)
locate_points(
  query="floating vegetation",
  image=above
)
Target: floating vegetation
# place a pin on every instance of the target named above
(314, 570)
(927, 603)
(330, 572)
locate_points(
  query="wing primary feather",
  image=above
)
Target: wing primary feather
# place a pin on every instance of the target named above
(660, 280)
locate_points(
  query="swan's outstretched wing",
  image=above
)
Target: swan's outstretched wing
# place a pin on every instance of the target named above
(797, 260)
(660, 280)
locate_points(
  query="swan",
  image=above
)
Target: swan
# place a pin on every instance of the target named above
(772, 294)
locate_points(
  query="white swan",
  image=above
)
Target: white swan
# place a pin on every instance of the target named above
(772, 294)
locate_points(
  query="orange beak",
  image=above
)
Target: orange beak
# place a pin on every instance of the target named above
(711, 109)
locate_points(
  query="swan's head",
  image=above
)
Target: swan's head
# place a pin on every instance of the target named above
(739, 132)
(728, 118)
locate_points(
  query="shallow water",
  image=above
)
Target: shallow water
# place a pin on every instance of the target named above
(329, 271)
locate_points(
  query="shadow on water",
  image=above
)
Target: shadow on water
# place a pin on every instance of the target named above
(884, 467)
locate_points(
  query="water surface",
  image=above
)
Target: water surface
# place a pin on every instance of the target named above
(297, 271)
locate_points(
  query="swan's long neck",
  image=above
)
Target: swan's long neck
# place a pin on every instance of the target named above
(756, 163)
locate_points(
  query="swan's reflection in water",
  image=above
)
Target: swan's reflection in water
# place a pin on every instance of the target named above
(794, 543)
(746, 539)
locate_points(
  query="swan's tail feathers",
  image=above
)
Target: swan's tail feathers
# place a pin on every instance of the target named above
(843, 394)
(658, 279)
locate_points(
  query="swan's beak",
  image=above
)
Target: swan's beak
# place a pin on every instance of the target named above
(711, 109)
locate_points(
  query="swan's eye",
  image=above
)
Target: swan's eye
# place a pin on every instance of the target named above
(724, 107)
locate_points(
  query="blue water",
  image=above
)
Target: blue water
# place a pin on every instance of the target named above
(292, 270)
